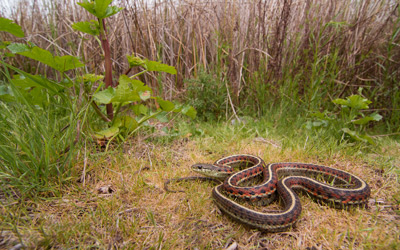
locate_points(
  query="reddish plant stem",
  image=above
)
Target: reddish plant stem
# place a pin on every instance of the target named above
(107, 64)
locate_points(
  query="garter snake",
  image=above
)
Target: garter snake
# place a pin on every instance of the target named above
(283, 178)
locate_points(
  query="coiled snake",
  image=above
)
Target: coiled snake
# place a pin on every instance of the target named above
(293, 176)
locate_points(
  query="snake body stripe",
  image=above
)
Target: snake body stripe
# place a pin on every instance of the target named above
(295, 176)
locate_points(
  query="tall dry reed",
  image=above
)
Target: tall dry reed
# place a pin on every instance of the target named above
(256, 46)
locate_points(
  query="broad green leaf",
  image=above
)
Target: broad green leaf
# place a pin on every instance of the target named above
(353, 101)
(27, 81)
(340, 101)
(366, 119)
(37, 96)
(53, 87)
(65, 63)
(165, 105)
(124, 92)
(363, 120)
(107, 133)
(33, 88)
(376, 116)
(127, 91)
(126, 122)
(140, 109)
(100, 8)
(112, 10)
(159, 67)
(58, 63)
(104, 96)
(9, 26)
(91, 28)
(89, 6)
(135, 61)
(18, 47)
(189, 111)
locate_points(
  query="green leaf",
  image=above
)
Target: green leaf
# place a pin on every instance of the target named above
(135, 61)
(126, 122)
(127, 91)
(9, 26)
(91, 28)
(363, 120)
(27, 81)
(18, 47)
(358, 137)
(353, 101)
(366, 119)
(89, 6)
(112, 10)
(107, 133)
(189, 111)
(104, 96)
(340, 101)
(65, 63)
(140, 109)
(58, 63)
(165, 105)
(376, 116)
(100, 8)
(159, 67)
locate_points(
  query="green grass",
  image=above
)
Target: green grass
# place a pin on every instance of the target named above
(139, 214)
(37, 133)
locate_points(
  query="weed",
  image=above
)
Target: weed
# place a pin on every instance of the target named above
(208, 95)
(350, 122)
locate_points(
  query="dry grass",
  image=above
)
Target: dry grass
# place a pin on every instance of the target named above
(237, 39)
(136, 213)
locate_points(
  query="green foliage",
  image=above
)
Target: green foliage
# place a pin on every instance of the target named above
(131, 91)
(39, 116)
(9, 26)
(100, 8)
(34, 137)
(126, 92)
(351, 121)
(131, 94)
(159, 67)
(59, 63)
(91, 28)
(207, 95)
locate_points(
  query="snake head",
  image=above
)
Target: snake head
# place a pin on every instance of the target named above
(211, 170)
